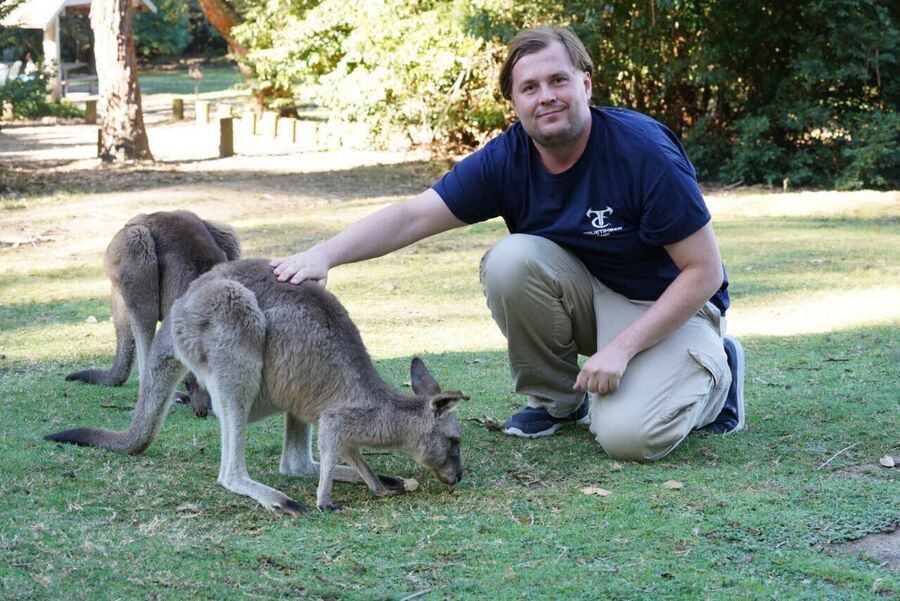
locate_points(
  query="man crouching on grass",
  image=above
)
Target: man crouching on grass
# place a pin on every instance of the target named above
(610, 255)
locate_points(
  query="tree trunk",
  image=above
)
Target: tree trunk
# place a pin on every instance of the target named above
(222, 16)
(119, 107)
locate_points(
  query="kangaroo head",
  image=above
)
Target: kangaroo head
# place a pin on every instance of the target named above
(437, 447)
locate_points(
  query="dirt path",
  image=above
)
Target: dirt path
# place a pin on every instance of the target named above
(37, 158)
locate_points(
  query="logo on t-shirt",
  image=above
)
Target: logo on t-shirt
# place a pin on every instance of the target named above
(602, 226)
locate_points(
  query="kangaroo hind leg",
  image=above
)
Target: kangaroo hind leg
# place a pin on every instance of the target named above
(220, 332)
(132, 267)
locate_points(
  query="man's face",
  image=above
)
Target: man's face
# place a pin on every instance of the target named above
(550, 96)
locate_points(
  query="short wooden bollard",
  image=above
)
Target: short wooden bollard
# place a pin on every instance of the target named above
(90, 112)
(178, 108)
(226, 137)
(249, 121)
(99, 141)
(287, 129)
(268, 124)
(223, 111)
(202, 110)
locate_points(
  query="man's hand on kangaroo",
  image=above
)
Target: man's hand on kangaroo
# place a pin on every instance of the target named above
(307, 266)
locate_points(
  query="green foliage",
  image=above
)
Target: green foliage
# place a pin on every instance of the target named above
(28, 99)
(164, 32)
(761, 91)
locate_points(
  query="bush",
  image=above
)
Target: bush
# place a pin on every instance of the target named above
(28, 100)
(872, 154)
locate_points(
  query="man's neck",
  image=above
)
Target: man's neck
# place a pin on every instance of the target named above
(559, 159)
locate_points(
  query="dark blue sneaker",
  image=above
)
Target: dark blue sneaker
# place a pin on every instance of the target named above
(731, 418)
(534, 422)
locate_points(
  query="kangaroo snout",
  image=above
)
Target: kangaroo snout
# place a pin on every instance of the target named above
(450, 478)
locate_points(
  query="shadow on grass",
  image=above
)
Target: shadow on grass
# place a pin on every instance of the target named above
(403, 179)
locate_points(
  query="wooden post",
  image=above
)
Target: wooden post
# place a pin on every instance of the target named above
(287, 129)
(178, 108)
(99, 141)
(202, 109)
(90, 111)
(269, 123)
(249, 121)
(226, 137)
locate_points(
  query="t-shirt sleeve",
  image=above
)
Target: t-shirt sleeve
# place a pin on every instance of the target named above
(672, 204)
(469, 189)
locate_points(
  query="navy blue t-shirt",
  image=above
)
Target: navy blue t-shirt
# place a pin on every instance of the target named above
(632, 192)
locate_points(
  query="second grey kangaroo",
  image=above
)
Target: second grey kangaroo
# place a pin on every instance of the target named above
(263, 347)
(150, 263)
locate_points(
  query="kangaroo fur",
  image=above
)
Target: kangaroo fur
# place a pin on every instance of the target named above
(262, 347)
(151, 262)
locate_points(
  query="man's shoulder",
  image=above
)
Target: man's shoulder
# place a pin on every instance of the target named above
(638, 135)
(506, 148)
(629, 124)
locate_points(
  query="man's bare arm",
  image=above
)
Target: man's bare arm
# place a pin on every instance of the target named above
(698, 258)
(380, 233)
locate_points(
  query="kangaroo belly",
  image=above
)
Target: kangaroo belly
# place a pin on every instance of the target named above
(299, 371)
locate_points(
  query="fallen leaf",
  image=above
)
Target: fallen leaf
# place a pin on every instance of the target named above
(673, 484)
(887, 461)
(593, 490)
(90, 319)
(187, 507)
(492, 424)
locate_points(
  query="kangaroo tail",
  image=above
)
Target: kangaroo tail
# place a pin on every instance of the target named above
(158, 382)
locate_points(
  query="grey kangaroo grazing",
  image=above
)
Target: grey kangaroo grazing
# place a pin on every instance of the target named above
(263, 347)
(151, 261)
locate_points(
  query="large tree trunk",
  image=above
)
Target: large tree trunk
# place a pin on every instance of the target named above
(119, 107)
(222, 16)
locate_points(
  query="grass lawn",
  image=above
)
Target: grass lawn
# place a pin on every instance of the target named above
(760, 514)
(216, 78)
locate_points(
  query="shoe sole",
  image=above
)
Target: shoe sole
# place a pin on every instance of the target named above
(739, 374)
(586, 420)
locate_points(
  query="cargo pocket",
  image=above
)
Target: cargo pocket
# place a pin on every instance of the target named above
(701, 375)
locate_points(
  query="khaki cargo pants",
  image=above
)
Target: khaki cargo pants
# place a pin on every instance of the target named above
(551, 310)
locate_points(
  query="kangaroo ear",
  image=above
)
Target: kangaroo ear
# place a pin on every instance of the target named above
(446, 402)
(421, 379)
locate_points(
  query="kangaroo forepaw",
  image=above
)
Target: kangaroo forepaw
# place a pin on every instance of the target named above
(201, 409)
(393, 485)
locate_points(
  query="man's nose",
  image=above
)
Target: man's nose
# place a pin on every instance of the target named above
(548, 95)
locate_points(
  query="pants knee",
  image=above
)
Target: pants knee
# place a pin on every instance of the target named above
(509, 264)
(639, 444)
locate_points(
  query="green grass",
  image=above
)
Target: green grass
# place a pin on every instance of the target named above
(215, 79)
(758, 517)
